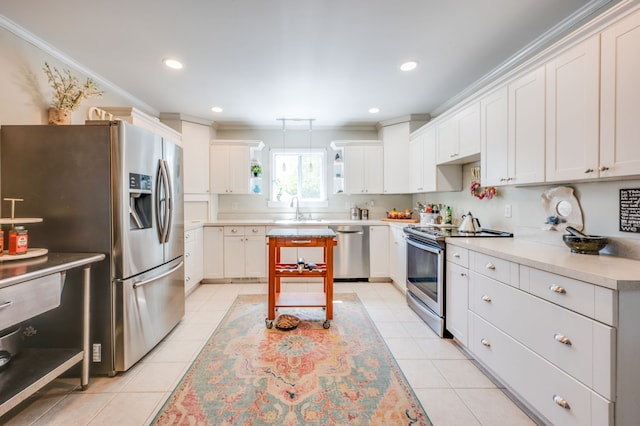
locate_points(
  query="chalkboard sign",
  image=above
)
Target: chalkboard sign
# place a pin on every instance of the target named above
(630, 210)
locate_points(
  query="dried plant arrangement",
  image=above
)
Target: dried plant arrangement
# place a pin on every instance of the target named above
(67, 90)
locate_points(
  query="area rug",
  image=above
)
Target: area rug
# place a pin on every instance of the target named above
(247, 374)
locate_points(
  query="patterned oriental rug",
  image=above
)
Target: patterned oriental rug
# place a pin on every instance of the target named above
(247, 374)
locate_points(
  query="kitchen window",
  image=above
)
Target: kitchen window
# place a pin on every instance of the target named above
(298, 173)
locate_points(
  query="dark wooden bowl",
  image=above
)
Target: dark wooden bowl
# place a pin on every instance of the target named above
(585, 245)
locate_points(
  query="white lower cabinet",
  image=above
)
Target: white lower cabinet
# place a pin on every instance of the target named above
(556, 395)
(379, 251)
(213, 252)
(550, 339)
(245, 252)
(193, 258)
(397, 256)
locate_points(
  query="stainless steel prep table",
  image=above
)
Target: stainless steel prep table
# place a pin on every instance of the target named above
(33, 368)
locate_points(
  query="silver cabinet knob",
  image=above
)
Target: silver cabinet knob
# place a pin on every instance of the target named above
(485, 342)
(562, 339)
(561, 401)
(456, 254)
(557, 289)
(490, 266)
(603, 168)
(486, 298)
(589, 171)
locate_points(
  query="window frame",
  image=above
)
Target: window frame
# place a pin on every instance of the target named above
(323, 201)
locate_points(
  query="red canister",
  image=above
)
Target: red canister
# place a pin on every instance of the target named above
(18, 240)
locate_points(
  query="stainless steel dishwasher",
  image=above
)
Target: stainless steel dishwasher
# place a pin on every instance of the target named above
(351, 255)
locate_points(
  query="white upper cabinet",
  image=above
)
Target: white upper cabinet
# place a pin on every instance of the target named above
(363, 168)
(494, 138)
(620, 99)
(396, 148)
(526, 149)
(195, 143)
(573, 99)
(458, 137)
(230, 166)
(426, 176)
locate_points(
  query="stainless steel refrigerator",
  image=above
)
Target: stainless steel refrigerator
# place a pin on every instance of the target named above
(113, 188)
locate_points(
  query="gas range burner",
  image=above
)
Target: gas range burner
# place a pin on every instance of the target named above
(439, 234)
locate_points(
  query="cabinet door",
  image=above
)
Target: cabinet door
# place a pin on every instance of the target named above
(573, 96)
(195, 143)
(373, 166)
(395, 140)
(239, 169)
(457, 301)
(416, 171)
(234, 257)
(527, 129)
(218, 169)
(213, 252)
(494, 113)
(397, 256)
(354, 167)
(255, 252)
(447, 140)
(469, 130)
(620, 103)
(379, 251)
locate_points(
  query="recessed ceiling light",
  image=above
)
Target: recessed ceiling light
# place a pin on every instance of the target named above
(374, 110)
(409, 65)
(173, 63)
(216, 109)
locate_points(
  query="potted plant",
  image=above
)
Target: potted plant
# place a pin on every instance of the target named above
(256, 169)
(67, 93)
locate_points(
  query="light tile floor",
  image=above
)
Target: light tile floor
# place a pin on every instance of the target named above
(451, 388)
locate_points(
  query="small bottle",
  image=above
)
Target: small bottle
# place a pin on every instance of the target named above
(447, 216)
(18, 240)
(1, 242)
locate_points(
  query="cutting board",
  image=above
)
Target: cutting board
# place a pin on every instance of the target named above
(401, 220)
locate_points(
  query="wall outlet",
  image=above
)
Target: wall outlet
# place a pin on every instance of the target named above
(507, 210)
(97, 352)
(234, 206)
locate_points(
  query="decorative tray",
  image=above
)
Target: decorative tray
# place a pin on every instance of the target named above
(32, 252)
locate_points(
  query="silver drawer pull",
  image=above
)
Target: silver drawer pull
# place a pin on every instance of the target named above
(462, 274)
(562, 339)
(561, 401)
(234, 230)
(254, 230)
(485, 342)
(486, 298)
(557, 289)
(589, 171)
(490, 266)
(603, 168)
(6, 304)
(456, 254)
(301, 241)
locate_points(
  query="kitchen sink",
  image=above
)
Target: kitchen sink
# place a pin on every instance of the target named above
(299, 221)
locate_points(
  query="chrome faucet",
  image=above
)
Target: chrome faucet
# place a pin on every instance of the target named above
(298, 215)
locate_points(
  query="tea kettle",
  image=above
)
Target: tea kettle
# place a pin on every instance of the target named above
(469, 224)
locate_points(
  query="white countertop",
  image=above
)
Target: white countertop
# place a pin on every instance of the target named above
(606, 271)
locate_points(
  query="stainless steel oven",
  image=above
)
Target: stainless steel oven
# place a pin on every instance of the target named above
(426, 271)
(425, 282)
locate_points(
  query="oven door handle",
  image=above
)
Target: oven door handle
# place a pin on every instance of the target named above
(422, 246)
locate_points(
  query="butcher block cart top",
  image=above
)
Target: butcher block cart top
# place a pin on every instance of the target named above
(300, 237)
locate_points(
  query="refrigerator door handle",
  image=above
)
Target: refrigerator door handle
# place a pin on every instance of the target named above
(169, 195)
(162, 203)
(169, 272)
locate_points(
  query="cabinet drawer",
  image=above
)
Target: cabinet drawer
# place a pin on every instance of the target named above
(233, 231)
(573, 294)
(22, 301)
(254, 230)
(496, 268)
(541, 384)
(570, 341)
(458, 255)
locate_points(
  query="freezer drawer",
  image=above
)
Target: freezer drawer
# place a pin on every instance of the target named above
(147, 308)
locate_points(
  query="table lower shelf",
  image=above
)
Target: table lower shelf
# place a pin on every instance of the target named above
(30, 371)
(301, 300)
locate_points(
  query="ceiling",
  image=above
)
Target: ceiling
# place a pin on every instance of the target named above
(260, 60)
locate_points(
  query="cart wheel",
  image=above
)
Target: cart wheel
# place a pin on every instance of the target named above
(326, 324)
(268, 323)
